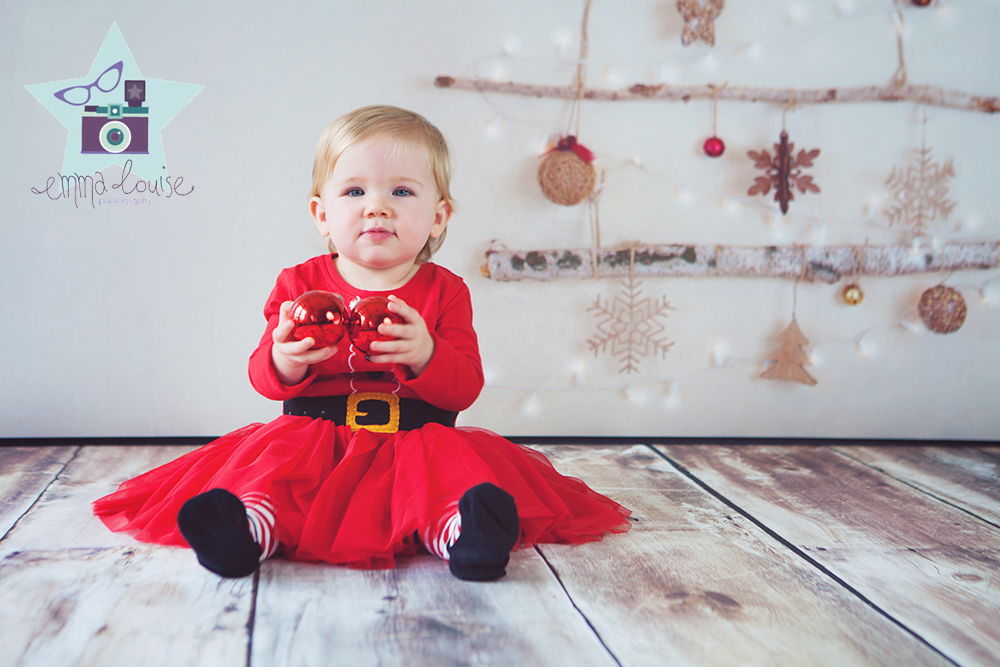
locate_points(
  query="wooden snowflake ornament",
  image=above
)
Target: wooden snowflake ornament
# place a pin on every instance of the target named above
(631, 326)
(920, 192)
(788, 360)
(783, 172)
(699, 17)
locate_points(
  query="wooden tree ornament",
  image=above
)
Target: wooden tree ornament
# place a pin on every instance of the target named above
(788, 360)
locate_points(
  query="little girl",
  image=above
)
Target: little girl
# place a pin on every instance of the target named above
(366, 462)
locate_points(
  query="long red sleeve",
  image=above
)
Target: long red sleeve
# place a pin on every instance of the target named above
(452, 379)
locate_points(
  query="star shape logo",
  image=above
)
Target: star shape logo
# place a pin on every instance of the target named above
(113, 113)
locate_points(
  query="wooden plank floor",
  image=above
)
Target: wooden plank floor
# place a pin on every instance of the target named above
(739, 555)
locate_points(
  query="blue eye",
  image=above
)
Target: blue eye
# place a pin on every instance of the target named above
(402, 192)
(355, 192)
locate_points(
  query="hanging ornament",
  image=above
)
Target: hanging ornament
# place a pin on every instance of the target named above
(631, 325)
(319, 315)
(942, 309)
(714, 147)
(699, 17)
(788, 360)
(921, 3)
(567, 175)
(366, 316)
(852, 294)
(919, 192)
(783, 171)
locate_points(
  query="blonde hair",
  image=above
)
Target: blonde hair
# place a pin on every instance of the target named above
(394, 123)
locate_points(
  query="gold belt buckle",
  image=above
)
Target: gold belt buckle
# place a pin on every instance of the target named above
(353, 413)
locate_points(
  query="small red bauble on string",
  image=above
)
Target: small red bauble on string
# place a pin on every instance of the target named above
(319, 315)
(366, 315)
(714, 147)
(921, 3)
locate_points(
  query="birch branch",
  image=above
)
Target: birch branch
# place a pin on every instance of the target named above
(826, 263)
(927, 94)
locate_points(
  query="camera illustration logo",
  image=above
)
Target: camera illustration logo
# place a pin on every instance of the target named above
(114, 127)
(107, 116)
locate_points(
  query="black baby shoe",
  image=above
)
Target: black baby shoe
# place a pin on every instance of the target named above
(490, 529)
(215, 525)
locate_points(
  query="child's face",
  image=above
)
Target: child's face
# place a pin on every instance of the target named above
(381, 204)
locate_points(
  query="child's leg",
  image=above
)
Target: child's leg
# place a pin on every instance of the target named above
(476, 536)
(229, 537)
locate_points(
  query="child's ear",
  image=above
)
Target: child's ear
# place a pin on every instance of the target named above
(318, 212)
(442, 214)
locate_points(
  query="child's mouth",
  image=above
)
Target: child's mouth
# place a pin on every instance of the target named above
(377, 234)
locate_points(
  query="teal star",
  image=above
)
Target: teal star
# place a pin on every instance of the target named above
(104, 87)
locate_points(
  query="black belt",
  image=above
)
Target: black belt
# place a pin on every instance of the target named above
(374, 411)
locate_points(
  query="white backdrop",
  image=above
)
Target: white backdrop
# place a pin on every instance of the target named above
(138, 320)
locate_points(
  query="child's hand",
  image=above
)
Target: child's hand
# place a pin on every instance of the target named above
(413, 346)
(292, 358)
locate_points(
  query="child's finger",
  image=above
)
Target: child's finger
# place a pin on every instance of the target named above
(400, 307)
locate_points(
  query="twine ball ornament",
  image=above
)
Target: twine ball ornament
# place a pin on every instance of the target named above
(942, 309)
(566, 174)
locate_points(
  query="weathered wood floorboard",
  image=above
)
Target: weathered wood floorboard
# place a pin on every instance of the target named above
(146, 606)
(417, 614)
(695, 583)
(24, 474)
(931, 566)
(62, 518)
(73, 593)
(968, 477)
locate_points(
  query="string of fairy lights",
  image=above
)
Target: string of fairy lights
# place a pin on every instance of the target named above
(668, 387)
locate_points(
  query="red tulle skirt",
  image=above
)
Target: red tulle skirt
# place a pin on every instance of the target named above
(359, 498)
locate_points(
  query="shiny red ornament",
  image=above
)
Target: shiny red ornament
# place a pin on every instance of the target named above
(921, 3)
(714, 147)
(319, 315)
(366, 316)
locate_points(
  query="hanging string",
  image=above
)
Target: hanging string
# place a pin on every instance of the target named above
(715, 109)
(795, 287)
(631, 262)
(595, 225)
(899, 78)
(573, 126)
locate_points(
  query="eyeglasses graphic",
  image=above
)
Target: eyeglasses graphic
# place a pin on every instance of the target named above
(73, 93)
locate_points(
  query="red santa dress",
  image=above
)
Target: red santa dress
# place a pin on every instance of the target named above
(346, 486)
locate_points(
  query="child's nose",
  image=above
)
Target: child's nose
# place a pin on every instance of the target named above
(377, 208)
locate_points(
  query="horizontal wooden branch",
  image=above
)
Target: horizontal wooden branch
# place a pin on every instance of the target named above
(930, 95)
(810, 263)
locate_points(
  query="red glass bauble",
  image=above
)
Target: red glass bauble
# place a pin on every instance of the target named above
(714, 147)
(367, 314)
(921, 3)
(319, 315)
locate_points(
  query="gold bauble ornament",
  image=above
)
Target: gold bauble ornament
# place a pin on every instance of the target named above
(566, 178)
(852, 294)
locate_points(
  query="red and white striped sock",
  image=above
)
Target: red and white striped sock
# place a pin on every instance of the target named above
(260, 515)
(444, 529)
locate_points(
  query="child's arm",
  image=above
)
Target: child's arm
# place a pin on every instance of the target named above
(452, 377)
(292, 358)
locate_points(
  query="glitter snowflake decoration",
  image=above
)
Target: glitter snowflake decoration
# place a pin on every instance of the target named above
(919, 193)
(631, 326)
